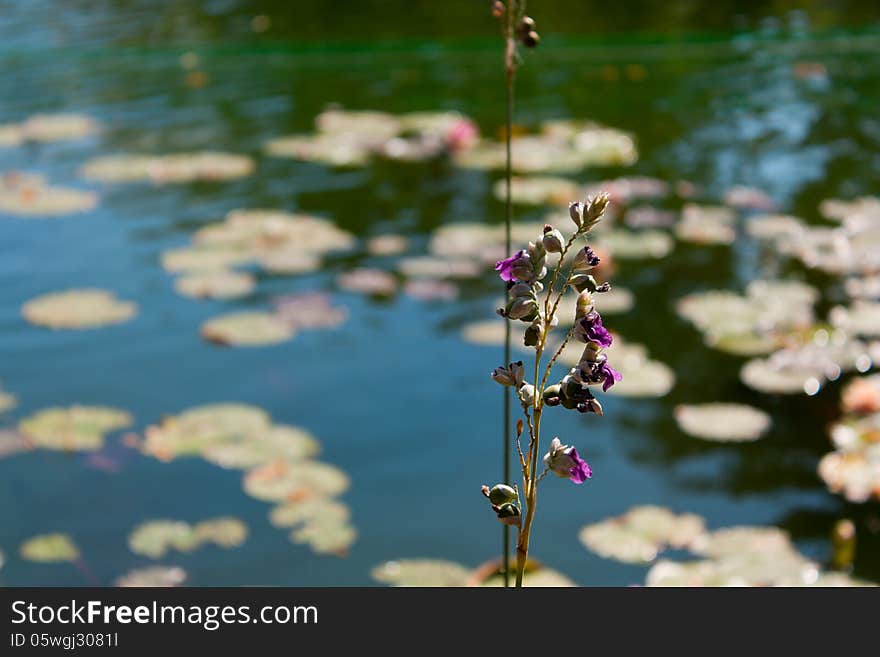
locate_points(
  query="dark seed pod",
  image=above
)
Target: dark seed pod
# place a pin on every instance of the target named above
(531, 39)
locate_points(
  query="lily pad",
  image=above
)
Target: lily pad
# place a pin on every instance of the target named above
(325, 536)
(78, 309)
(315, 509)
(421, 572)
(49, 548)
(387, 245)
(310, 310)
(218, 284)
(430, 289)
(749, 198)
(57, 127)
(434, 267)
(374, 282)
(340, 150)
(721, 422)
(292, 482)
(861, 318)
(225, 532)
(12, 443)
(153, 576)
(861, 395)
(155, 538)
(773, 227)
(247, 329)
(33, 197)
(203, 260)
(706, 224)
(206, 166)
(539, 190)
(7, 401)
(636, 245)
(639, 535)
(277, 443)
(74, 428)
(839, 209)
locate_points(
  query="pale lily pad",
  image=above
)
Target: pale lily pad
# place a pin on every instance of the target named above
(636, 245)
(292, 514)
(7, 401)
(155, 538)
(57, 127)
(277, 443)
(773, 227)
(247, 329)
(641, 533)
(78, 309)
(766, 375)
(625, 190)
(539, 190)
(153, 576)
(645, 216)
(839, 210)
(49, 548)
(11, 135)
(375, 282)
(721, 422)
(310, 310)
(429, 289)
(292, 482)
(199, 259)
(387, 245)
(341, 150)
(225, 532)
(749, 198)
(32, 196)
(597, 144)
(853, 248)
(217, 284)
(864, 287)
(434, 267)
(861, 318)
(853, 469)
(373, 124)
(202, 427)
(421, 572)
(706, 224)
(74, 428)
(325, 536)
(491, 333)
(177, 168)
(288, 261)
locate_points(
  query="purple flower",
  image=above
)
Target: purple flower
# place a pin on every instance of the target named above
(581, 470)
(565, 462)
(610, 375)
(505, 267)
(590, 329)
(585, 260)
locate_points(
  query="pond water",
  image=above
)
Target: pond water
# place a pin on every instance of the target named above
(396, 397)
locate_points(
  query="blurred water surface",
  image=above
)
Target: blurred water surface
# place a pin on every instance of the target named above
(396, 397)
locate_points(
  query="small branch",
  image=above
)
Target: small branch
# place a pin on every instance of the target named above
(555, 357)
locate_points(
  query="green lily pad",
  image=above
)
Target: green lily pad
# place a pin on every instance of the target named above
(155, 538)
(292, 482)
(247, 329)
(641, 533)
(218, 284)
(421, 572)
(721, 422)
(74, 428)
(31, 196)
(49, 548)
(207, 166)
(78, 309)
(153, 576)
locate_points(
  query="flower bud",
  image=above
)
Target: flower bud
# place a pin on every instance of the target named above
(553, 240)
(584, 261)
(501, 494)
(521, 308)
(581, 282)
(595, 210)
(531, 40)
(552, 395)
(584, 304)
(512, 375)
(509, 514)
(533, 335)
(576, 212)
(527, 394)
(520, 290)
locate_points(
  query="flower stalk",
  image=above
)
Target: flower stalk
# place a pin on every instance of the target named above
(524, 272)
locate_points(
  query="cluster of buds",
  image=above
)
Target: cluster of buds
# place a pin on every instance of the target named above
(526, 33)
(513, 376)
(504, 500)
